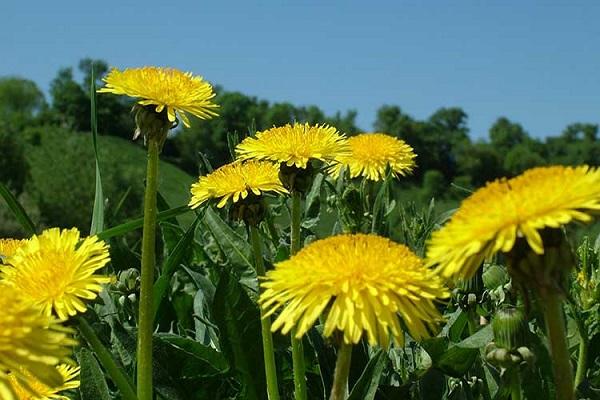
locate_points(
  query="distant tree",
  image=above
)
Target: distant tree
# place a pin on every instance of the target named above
(479, 161)
(505, 134)
(520, 158)
(580, 131)
(70, 103)
(19, 98)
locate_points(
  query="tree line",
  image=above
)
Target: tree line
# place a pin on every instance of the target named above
(447, 154)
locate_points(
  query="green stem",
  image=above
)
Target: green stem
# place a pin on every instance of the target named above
(555, 326)
(583, 352)
(339, 390)
(515, 384)
(265, 323)
(106, 359)
(297, 348)
(473, 328)
(145, 323)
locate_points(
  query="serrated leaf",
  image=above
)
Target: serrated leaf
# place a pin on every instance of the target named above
(238, 320)
(366, 386)
(193, 360)
(235, 247)
(170, 265)
(93, 382)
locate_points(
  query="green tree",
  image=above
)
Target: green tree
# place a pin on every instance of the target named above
(19, 98)
(505, 134)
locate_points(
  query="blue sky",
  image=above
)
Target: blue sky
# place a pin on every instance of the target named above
(538, 63)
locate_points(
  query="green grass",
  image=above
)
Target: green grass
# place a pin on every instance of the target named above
(64, 192)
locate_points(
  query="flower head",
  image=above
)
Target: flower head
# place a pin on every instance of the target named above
(495, 216)
(55, 271)
(31, 343)
(166, 88)
(235, 181)
(40, 391)
(366, 282)
(371, 155)
(294, 144)
(8, 247)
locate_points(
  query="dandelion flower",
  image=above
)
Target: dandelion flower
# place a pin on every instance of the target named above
(363, 283)
(29, 341)
(55, 271)
(235, 181)
(40, 391)
(165, 88)
(294, 145)
(8, 247)
(495, 216)
(371, 155)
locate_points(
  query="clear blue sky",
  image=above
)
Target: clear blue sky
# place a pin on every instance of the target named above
(536, 63)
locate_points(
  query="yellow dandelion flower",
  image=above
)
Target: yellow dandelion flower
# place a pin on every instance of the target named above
(294, 144)
(27, 387)
(235, 181)
(179, 92)
(55, 271)
(495, 216)
(8, 247)
(371, 155)
(29, 341)
(363, 283)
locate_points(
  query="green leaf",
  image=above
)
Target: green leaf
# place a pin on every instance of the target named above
(235, 247)
(170, 265)
(98, 211)
(366, 386)
(238, 320)
(455, 360)
(93, 382)
(139, 222)
(18, 210)
(193, 360)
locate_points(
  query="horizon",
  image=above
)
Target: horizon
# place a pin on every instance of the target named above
(533, 64)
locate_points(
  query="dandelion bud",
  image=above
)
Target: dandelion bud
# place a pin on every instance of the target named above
(296, 179)
(494, 276)
(510, 328)
(541, 273)
(151, 124)
(251, 210)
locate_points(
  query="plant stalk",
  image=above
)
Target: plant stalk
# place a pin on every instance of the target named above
(515, 384)
(265, 323)
(115, 372)
(145, 322)
(297, 348)
(339, 390)
(584, 342)
(555, 326)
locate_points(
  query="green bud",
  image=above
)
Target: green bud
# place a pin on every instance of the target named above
(251, 210)
(510, 328)
(494, 276)
(150, 124)
(297, 179)
(541, 273)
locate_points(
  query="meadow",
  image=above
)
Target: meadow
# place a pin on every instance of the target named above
(311, 261)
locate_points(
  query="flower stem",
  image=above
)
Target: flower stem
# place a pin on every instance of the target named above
(265, 323)
(297, 348)
(515, 384)
(339, 390)
(583, 352)
(145, 322)
(106, 359)
(555, 326)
